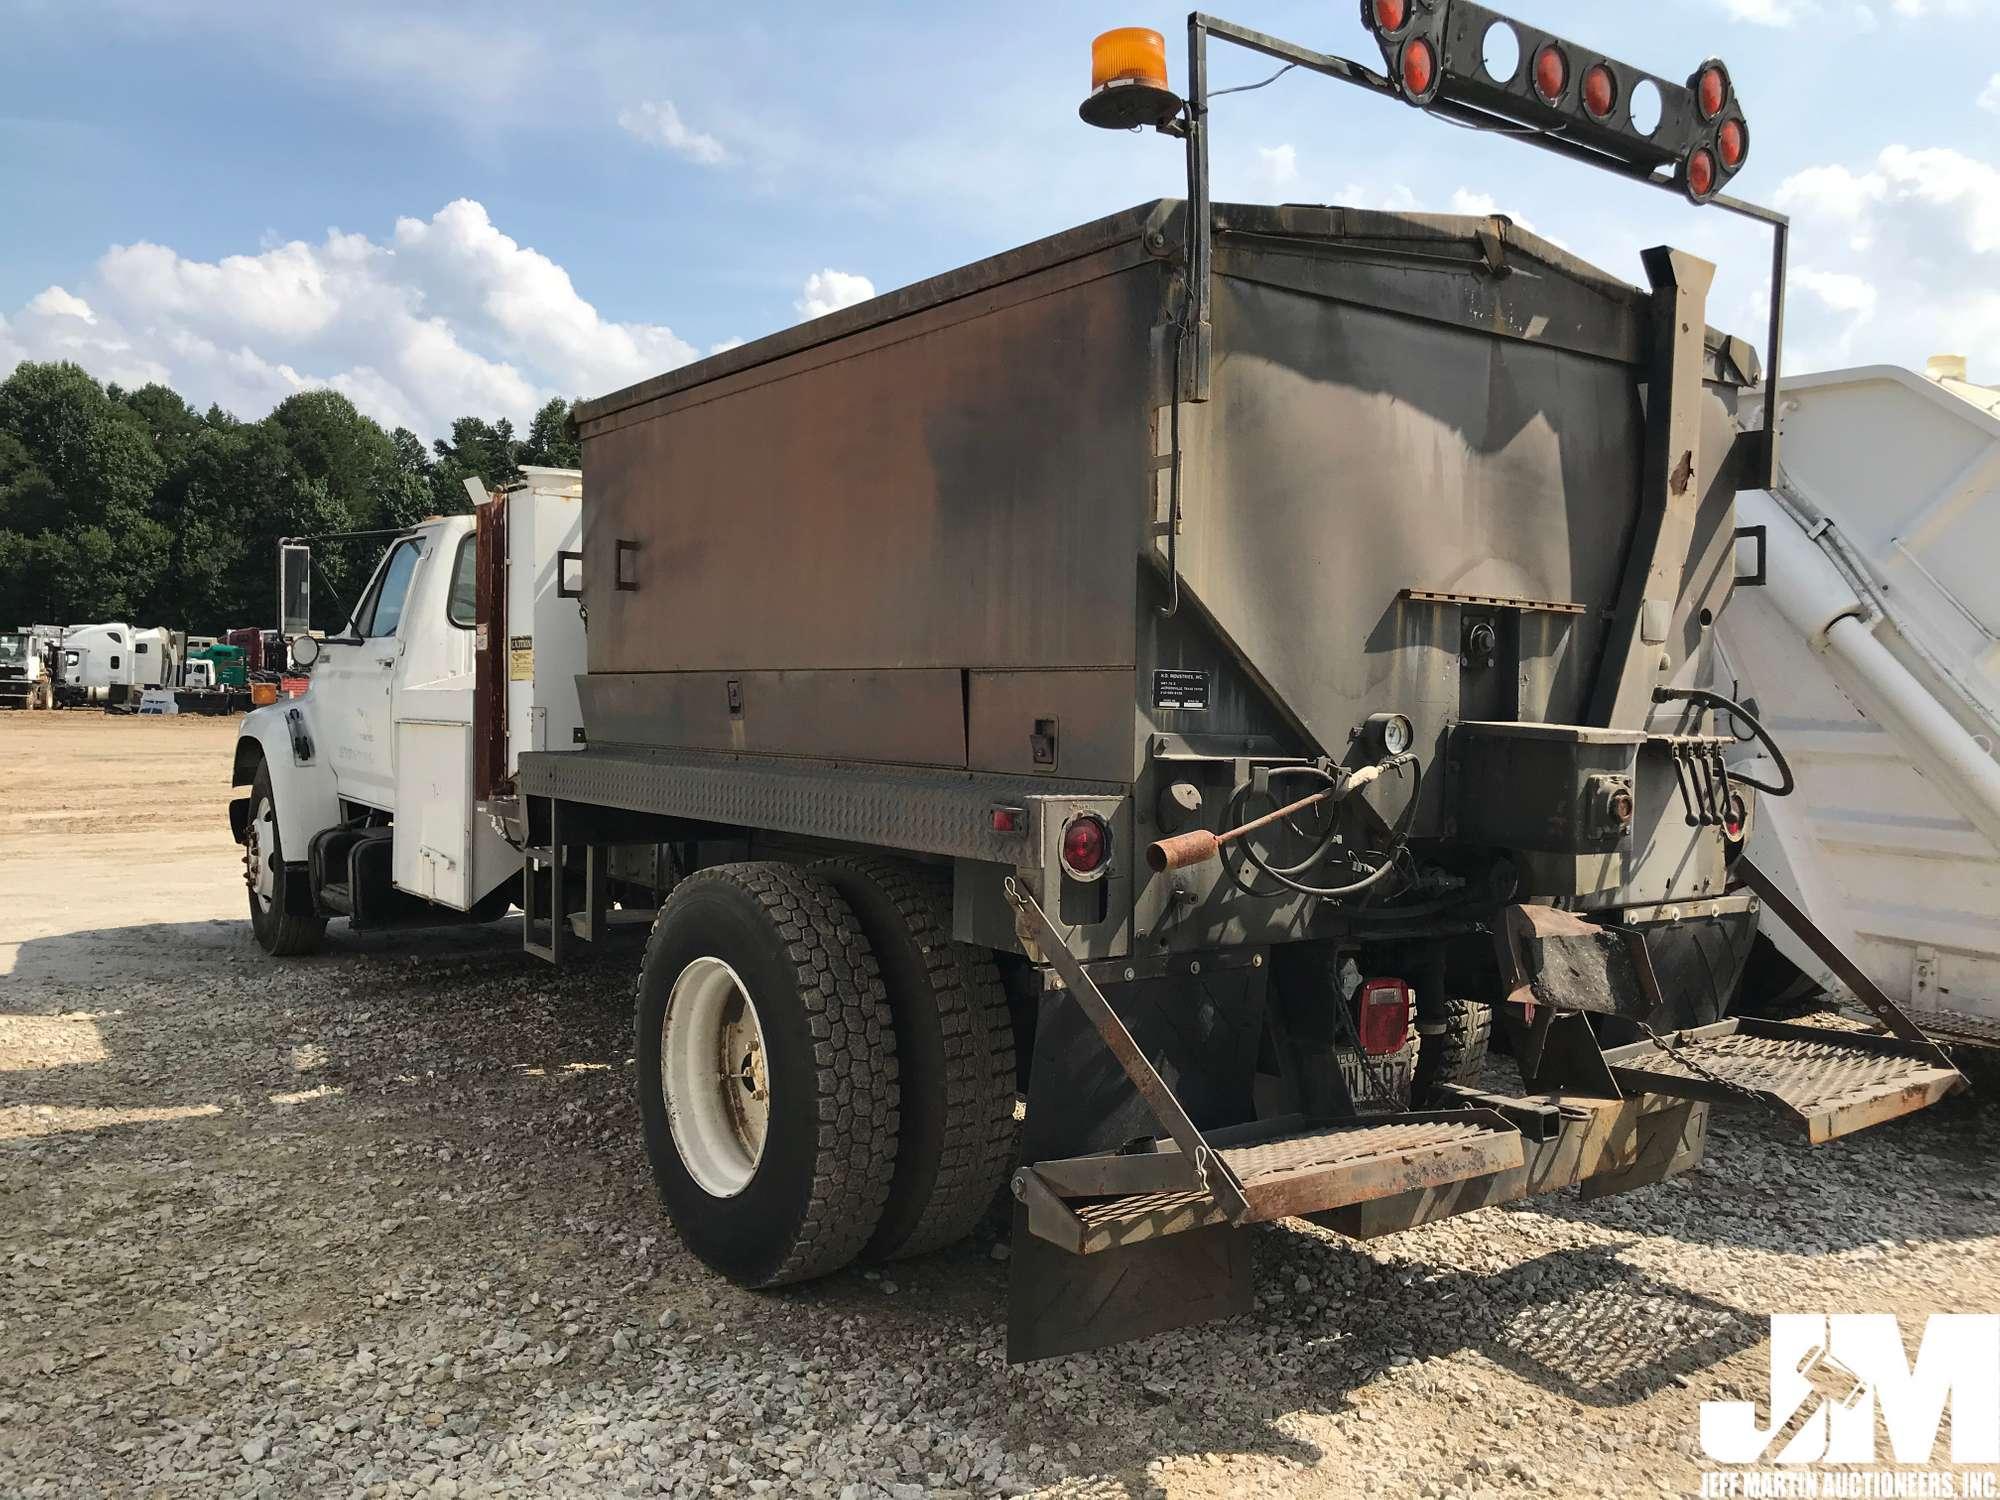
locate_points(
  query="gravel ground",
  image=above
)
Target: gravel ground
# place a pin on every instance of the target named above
(378, 1223)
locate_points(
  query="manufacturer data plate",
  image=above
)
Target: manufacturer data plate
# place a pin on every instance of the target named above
(1180, 689)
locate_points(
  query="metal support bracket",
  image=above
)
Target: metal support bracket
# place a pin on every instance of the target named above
(1670, 482)
(1210, 1171)
(1835, 958)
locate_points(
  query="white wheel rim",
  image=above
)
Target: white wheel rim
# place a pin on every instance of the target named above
(713, 1077)
(261, 838)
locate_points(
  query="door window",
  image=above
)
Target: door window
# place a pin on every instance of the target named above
(462, 604)
(383, 611)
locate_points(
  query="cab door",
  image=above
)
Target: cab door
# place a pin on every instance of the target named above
(353, 681)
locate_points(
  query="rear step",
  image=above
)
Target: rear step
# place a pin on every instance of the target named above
(1833, 1082)
(1281, 1167)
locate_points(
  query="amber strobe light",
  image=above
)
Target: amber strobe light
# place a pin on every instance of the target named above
(1128, 80)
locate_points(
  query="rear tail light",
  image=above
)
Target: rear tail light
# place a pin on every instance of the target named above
(1385, 1016)
(1086, 846)
(1736, 817)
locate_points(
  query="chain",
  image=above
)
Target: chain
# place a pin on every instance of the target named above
(1709, 1074)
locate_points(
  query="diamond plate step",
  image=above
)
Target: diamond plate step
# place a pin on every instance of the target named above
(1286, 1168)
(1956, 1026)
(1833, 1082)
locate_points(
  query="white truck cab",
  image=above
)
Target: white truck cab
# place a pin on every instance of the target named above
(24, 678)
(98, 662)
(381, 794)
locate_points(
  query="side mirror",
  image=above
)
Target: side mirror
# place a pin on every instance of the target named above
(305, 650)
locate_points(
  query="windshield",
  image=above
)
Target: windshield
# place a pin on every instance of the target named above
(13, 649)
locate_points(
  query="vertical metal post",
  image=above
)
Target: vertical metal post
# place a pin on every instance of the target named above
(1781, 236)
(1200, 228)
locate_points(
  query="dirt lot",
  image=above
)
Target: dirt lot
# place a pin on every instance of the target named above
(378, 1223)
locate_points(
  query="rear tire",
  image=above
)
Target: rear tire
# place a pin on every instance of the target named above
(954, 1053)
(765, 967)
(281, 932)
(1458, 1053)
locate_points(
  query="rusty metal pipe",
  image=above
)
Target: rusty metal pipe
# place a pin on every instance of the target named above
(1199, 846)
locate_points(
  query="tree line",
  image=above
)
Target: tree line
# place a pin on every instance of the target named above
(132, 505)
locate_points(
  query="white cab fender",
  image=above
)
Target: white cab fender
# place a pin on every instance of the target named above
(301, 780)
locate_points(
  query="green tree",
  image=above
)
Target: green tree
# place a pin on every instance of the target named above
(78, 474)
(407, 498)
(96, 459)
(486, 451)
(553, 441)
(334, 446)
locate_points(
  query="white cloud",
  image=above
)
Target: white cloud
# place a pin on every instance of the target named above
(57, 302)
(658, 123)
(1989, 99)
(446, 316)
(1907, 247)
(830, 290)
(1840, 291)
(1769, 12)
(1277, 166)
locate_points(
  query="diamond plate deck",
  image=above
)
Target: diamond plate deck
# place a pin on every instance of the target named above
(1957, 1026)
(1303, 1170)
(1835, 1082)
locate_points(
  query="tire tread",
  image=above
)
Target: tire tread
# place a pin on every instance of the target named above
(980, 1132)
(847, 1015)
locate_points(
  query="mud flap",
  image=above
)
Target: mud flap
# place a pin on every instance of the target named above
(1556, 958)
(1059, 1303)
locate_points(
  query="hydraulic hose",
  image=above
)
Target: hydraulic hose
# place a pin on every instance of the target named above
(1398, 837)
(1702, 698)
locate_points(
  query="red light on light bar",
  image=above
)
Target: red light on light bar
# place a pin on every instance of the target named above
(1711, 92)
(1600, 90)
(1551, 73)
(1391, 14)
(1701, 173)
(1732, 143)
(1419, 68)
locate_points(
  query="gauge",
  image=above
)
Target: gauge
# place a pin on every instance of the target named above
(1392, 734)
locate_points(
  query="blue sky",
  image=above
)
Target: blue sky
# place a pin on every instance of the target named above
(453, 208)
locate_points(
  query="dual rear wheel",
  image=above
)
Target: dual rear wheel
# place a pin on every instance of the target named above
(823, 1074)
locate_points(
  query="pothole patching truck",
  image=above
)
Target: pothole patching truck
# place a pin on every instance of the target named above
(1200, 671)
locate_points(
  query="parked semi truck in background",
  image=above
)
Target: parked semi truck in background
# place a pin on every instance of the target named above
(25, 678)
(1200, 670)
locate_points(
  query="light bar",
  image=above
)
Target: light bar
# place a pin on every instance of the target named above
(1436, 50)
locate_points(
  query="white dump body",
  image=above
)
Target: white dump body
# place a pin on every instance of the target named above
(545, 645)
(1873, 655)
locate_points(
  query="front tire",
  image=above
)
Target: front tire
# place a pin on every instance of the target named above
(766, 1073)
(281, 931)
